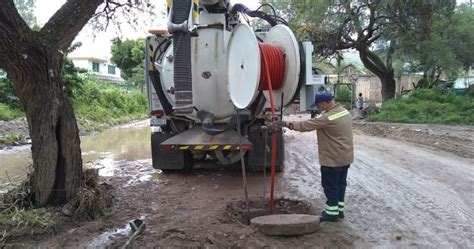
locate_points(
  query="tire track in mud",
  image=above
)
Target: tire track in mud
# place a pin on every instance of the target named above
(425, 208)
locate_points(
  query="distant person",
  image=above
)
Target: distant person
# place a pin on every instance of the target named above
(335, 149)
(360, 102)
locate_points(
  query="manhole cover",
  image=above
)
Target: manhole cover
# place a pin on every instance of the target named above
(286, 224)
(237, 212)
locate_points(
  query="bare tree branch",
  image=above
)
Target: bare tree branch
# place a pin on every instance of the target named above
(68, 21)
(371, 61)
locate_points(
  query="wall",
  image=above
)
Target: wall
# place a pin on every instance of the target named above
(370, 86)
(103, 69)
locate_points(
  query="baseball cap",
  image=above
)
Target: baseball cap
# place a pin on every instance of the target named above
(321, 97)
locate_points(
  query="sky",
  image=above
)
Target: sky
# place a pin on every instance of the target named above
(99, 46)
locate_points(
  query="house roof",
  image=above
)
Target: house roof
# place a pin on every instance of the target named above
(89, 58)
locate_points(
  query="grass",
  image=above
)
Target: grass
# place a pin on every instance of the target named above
(428, 106)
(10, 138)
(9, 113)
(97, 106)
(22, 219)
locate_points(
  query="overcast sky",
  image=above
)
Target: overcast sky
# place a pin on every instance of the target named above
(100, 45)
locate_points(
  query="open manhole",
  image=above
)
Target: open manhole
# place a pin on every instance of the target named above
(237, 212)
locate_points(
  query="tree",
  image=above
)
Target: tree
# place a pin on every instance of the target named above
(129, 56)
(34, 61)
(340, 67)
(334, 25)
(461, 32)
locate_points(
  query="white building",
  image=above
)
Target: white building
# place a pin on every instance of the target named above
(101, 68)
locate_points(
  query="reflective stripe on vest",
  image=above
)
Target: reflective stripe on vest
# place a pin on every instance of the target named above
(338, 115)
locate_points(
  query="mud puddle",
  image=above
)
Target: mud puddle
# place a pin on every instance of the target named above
(106, 151)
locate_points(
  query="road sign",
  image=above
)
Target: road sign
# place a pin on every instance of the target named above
(353, 78)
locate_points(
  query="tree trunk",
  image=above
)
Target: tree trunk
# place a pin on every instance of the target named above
(56, 152)
(385, 73)
(33, 62)
(388, 87)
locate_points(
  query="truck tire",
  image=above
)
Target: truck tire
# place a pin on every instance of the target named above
(169, 160)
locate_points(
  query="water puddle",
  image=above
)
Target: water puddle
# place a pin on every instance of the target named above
(108, 151)
(108, 237)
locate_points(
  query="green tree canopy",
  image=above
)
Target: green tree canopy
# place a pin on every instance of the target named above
(26, 9)
(374, 28)
(128, 54)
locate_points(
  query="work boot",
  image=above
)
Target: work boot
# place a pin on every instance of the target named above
(326, 217)
(341, 215)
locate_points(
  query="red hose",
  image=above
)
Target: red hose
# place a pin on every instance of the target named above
(271, 61)
(273, 58)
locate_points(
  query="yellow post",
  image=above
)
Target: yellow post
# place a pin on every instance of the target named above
(195, 11)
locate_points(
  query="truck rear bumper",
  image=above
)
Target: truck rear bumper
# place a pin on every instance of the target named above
(196, 139)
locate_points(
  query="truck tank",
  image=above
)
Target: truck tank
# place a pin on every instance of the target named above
(209, 75)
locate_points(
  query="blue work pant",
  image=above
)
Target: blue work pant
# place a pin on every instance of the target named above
(334, 184)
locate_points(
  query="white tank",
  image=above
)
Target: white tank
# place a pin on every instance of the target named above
(215, 52)
(209, 71)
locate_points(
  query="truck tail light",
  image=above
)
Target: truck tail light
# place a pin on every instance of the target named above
(247, 147)
(166, 147)
(157, 113)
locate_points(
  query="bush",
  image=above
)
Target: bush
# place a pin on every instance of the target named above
(99, 102)
(428, 106)
(10, 138)
(344, 96)
(6, 94)
(9, 113)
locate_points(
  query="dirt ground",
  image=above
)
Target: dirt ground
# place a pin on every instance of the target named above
(409, 186)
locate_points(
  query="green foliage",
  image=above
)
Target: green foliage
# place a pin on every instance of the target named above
(431, 36)
(10, 138)
(72, 80)
(343, 96)
(96, 102)
(26, 9)
(8, 113)
(6, 93)
(128, 54)
(460, 33)
(428, 106)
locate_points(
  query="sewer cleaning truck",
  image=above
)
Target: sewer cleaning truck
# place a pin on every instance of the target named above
(214, 83)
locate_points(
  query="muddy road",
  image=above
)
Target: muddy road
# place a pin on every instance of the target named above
(401, 193)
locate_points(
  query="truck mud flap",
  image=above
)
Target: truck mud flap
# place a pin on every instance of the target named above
(169, 160)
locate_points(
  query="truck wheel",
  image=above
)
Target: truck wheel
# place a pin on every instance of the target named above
(169, 160)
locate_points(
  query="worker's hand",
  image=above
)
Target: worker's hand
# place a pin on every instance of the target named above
(279, 124)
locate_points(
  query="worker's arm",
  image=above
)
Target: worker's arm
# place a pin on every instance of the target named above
(309, 125)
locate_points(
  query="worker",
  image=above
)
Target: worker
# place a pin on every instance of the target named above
(335, 149)
(360, 102)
